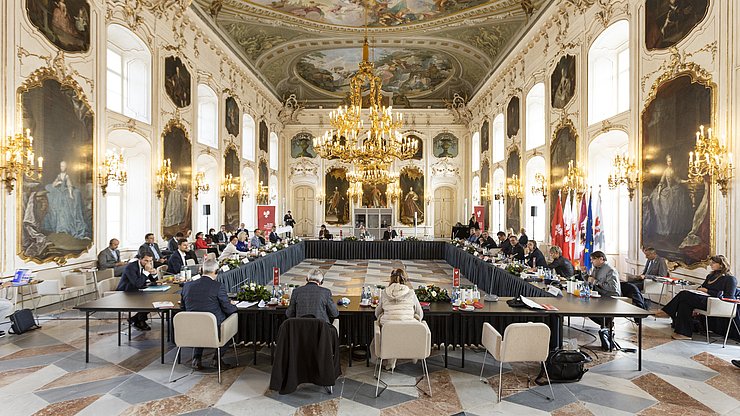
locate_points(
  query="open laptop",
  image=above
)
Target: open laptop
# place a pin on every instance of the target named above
(22, 277)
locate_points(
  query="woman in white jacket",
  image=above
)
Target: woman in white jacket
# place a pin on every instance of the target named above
(398, 302)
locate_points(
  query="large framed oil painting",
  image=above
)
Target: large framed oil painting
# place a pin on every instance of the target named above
(55, 211)
(512, 117)
(336, 207)
(485, 137)
(263, 174)
(374, 196)
(262, 140)
(177, 202)
(232, 116)
(301, 145)
(177, 81)
(65, 23)
(563, 82)
(412, 195)
(562, 151)
(419, 155)
(445, 145)
(513, 204)
(668, 22)
(676, 213)
(231, 203)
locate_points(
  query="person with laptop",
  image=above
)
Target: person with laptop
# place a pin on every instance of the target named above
(136, 276)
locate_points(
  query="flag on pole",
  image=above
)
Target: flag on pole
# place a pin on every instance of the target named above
(557, 235)
(568, 225)
(599, 241)
(581, 229)
(589, 244)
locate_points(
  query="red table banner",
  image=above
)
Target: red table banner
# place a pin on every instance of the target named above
(265, 217)
(456, 277)
(275, 276)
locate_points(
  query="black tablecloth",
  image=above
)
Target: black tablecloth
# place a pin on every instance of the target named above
(488, 277)
(260, 270)
(363, 250)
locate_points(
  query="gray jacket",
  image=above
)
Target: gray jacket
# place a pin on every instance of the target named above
(108, 258)
(655, 268)
(606, 280)
(312, 299)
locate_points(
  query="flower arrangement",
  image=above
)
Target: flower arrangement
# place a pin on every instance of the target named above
(252, 293)
(459, 243)
(432, 293)
(471, 249)
(291, 241)
(515, 268)
(412, 238)
(350, 238)
(230, 262)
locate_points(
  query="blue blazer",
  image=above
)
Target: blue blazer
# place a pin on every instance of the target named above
(207, 295)
(133, 279)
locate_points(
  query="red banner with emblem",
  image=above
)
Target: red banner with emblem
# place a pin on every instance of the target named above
(275, 276)
(480, 216)
(456, 277)
(265, 217)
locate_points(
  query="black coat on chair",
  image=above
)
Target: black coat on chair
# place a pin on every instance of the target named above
(631, 291)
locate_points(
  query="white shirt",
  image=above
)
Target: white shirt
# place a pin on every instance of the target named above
(229, 251)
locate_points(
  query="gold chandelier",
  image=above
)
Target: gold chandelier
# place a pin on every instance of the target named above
(574, 180)
(113, 168)
(372, 175)
(263, 194)
(355, 192)
(230, 186)
(166, 179)
(200, 184)
(624, 172)
(373, 148)
(710, 158)
(540, 186)
(394, 191)
(486, 193)
(514, 187)
(17, 159)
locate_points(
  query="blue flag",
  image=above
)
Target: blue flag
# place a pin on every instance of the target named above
(589, 245)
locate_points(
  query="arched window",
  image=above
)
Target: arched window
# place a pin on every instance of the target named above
(475, 155)
(614, 203)
(608, 73)
(476, 192)
(125, 217)
(249, 213)
(209, 166)
(274, 151)
(274, 192)
(499, 211)
(248, 143)
(207, 116)
(535, 117)
(499, 143)
(537, 223)
(129, 76)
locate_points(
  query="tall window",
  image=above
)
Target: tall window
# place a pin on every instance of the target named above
(499, 143)
(614, 203)
(207, 116)
(476, 192)
(248, 130)
(535, 117)
(274, 151)
(126, 220)
(129, 75)
(249, 211)
(536, 224)
(499, 211)
(608, 73)
(475, 155)
(274, 191)
(209, 166)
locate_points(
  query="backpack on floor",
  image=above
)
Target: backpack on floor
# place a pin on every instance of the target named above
(23, 321)
(564, 366)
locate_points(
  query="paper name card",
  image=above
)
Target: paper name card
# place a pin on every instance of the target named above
(224, 268)
(245, 260)
(244, 304)
(554, 291)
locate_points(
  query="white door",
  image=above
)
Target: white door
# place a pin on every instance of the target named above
(444, 206)
(303, 212)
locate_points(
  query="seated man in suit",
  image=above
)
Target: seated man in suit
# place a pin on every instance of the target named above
(257, 241)
(535, 258)
(523, 237)
(222, 238)
(389, 233)
(172, 243)
(324, 233)
(605, 281)
(178, 259)
(274, 237)
(153, 248)
(207, 294)
(231, 249)
(486, 241)
(110, 258)
(561, 265)
(312, 299)
(474, 235)
(503, 242)
(514, 249)
(241, 228)
(135, 276)
(654, 267)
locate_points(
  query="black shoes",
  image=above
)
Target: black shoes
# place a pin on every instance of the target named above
(196, 364)
(141, 326)
(606, 341)
(736, 363)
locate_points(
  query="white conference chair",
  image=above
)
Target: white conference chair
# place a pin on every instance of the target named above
(717, 308)
(200, 253)
(199, 330)
(108, 287)
(402, 340)
(521, 342)
(55, 284)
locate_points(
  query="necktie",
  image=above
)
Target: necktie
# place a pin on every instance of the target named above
(154, 250)
(647, 266)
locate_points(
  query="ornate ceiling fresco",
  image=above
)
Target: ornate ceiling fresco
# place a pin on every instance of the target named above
(424, 50)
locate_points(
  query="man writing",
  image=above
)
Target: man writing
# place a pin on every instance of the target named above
(207, 295)
(110, 258)
(136, 276)
(312, 300)
(561, 265)
(654, 267)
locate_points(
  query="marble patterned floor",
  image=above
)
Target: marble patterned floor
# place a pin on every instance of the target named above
(43, 372)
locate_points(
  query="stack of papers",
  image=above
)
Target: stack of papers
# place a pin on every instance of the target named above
(163, 305)
(244, 304)
(156, 288)
(530, 303)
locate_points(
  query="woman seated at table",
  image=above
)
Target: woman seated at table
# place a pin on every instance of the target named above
(363, 234)
(681, 307)
(241, 244)
(202, 244)
(398, 302)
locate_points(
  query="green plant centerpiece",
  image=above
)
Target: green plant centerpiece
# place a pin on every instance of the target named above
(515, 268)
(230, 263)
(432, 293)
(350, 238)
(253, 293)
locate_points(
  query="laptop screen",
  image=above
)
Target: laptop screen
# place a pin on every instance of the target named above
(22, 276)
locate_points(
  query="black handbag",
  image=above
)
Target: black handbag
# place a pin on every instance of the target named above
(22, 321)
(564, 366)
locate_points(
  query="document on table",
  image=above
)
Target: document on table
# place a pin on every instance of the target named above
(531, 304)
(160, 288)
(244, 304)
(163, 305)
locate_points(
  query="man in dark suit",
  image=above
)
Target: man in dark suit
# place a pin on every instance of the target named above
(289, 222)
(486, 241)
(654, 267)
(535, 258)
(324, 233)
(152, 247)
(503, 242)
(110, 258)
(241, 228)
(222, 238)
(523, 237)
(172, 243)
(274, 237)
(178, 259)
(312, 299)
(389, 233)
(135, 276)
(207, 295)
(515, 250)
(561, 265)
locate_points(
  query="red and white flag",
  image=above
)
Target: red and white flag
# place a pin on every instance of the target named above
(557, 232)
(569, 226)
(580, 236)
